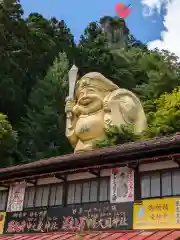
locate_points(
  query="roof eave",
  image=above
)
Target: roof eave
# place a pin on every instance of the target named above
(116, 154)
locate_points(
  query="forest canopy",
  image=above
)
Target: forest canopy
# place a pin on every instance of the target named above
(36, 54)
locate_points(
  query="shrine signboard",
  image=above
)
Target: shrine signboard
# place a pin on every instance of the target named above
(157, 214)
(29, 221)
(78, 218)
(92, 217)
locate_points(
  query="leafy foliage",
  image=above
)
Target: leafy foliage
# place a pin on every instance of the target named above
(166, 119)
(94, 54)
(8, 141)
(42, 130)
(162, 70)
(28, 48)
(117, 135)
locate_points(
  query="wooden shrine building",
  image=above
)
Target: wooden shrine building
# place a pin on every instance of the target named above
(129, 191)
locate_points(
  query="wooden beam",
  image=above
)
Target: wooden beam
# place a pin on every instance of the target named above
(61, 177)
(97, 173)
(4, 186)
(31, 181)
(176, 161)
(134, 165)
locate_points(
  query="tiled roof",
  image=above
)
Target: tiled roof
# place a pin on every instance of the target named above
(118, 150)
(121, 235)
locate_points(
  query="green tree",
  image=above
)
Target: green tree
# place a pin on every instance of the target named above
(93, 54)
(42, 131)
(166, 119)
(28, 48)
(48, 38)
(163, 71)
(12, 29)
(8, 141)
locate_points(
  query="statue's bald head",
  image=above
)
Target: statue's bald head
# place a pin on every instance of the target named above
(97, 81)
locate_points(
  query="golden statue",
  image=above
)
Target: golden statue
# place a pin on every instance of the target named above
(95, 104)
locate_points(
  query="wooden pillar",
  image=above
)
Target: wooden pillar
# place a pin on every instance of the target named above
(137, 183)
(98, 189)
(65, 192)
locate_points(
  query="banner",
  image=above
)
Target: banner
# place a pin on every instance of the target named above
(2, 221)
(16, 197)
(157, 214)
(122, 185)
(88, 217)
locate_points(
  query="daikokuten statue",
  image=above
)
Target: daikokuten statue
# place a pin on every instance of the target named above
(95, 104)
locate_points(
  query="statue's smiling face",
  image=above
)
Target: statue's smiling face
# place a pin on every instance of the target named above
(87, 95)
(89, 99)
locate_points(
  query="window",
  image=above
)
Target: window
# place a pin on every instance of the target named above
(155, 185)
(41, 196)
(160, 184)
(29, 197)
(87, 191)
(56, 195)
(176, 183)
(93, 191)
(104, 190)
(3, 199)
(145, 186)
(166, 184)
(70, 195)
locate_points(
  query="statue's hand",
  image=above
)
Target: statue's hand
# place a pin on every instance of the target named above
(69, 106)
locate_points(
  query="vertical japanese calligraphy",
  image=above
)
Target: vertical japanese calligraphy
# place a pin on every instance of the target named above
(16, 197)
(122, 185)
(26, 221)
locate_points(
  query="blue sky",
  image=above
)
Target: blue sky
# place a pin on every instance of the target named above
(77, 14)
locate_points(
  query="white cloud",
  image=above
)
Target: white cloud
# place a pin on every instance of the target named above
(147, 11)
(154, 4)
(170, 39)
